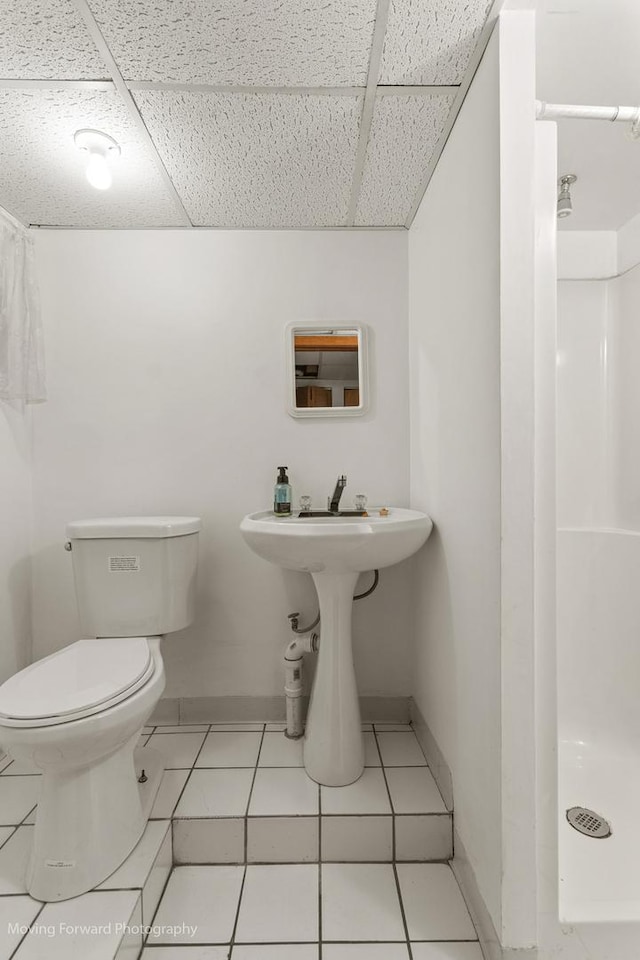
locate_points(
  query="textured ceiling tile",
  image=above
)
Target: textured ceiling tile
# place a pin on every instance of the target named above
(46, 40)
(404, 133)
(42, 178)
(430, 43)
(257, 160)
(250, 43)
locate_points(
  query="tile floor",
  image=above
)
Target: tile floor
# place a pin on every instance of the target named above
(267, 864)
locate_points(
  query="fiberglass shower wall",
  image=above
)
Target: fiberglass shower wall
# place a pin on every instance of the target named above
(598, 591)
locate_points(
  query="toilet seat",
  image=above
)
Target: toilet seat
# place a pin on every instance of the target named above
(83, 679)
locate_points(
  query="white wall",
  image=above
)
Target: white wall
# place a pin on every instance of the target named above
(165, 355)
(471, 344)
(454, 336)
(15, 523)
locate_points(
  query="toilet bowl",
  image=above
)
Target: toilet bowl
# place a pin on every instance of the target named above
(77, 715)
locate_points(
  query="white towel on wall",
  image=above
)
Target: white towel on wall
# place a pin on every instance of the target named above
(21, 346)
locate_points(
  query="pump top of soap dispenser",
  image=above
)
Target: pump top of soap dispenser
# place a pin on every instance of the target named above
(282, 475)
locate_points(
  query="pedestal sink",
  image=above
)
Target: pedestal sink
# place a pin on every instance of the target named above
(335, 551)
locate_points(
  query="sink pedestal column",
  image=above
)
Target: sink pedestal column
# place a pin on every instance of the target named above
(333, 746)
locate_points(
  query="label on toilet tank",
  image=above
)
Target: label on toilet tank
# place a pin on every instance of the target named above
(60, 863)
(124, 564)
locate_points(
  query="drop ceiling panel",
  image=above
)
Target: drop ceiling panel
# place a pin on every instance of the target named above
(430, 42)
(46, 40)
(404, 134)
(253, 43)
(42, 178)
(257, 160)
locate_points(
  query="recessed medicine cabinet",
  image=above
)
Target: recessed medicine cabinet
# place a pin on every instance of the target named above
(326, 369)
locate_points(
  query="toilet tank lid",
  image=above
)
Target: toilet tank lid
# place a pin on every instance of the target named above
(104, 528)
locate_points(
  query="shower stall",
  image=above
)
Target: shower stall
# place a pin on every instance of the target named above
(598, 597)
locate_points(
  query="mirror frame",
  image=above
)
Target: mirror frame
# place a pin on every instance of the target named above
(305, 326)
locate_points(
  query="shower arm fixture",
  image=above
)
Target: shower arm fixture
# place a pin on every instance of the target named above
(572, 111)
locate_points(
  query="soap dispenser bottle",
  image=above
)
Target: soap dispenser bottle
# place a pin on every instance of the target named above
(282, 494)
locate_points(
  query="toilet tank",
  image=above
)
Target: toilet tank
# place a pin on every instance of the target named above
(134, 576)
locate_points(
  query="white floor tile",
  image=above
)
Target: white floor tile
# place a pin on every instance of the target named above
(433, 904)
(366, 795)
(17, 797)
(216, 793)
(371, 755)
(413, 790)
(237, 726)
(279, 904)
(395, 727)
(278, 751)
(107, 909)
(283, 792)
(360, 902)
(281, 951)
(424, 837)
(365, 951)
(229, 749)
(185, 953)
(137, 867)
(446, 951)
(168, 794)
(202, 897)
(357, 838)
(14, 857)
(4, 762)
(179, 750)
(209, 841)
(148, 729)
(282, 839)
(20, 910)
(400, 750)
(366, 726)
(274, 727)
(181, 728)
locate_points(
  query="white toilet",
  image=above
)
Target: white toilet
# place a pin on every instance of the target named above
(77, 714)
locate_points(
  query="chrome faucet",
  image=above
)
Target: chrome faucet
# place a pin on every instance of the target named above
(334, 502)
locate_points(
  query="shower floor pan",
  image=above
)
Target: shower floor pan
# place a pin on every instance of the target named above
(599, 878)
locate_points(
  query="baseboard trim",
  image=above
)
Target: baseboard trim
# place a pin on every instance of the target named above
(248, 709)
(435, 758)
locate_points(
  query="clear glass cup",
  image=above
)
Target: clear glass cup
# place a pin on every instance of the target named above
(360, 501)
(305, 504)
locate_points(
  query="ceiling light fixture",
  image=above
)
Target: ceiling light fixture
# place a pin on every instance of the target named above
(565, 207)
(100, 148)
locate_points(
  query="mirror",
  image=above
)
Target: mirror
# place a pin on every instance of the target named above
(326, 369)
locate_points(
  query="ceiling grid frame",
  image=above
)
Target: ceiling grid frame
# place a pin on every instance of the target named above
(85, 13)
(375, 59)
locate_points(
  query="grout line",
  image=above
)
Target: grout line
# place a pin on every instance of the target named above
(246, 812)
(31, 923)
(393, 812)
(131, 107)
(404, 918)
(235, 924)
(366, 117)
(184, 786)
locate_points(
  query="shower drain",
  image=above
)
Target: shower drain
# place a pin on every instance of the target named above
(588, 822)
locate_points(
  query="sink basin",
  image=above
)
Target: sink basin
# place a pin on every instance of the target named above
(335, 551)
(336, 544)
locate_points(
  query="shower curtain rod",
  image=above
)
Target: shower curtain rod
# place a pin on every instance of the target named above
(572, 111)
